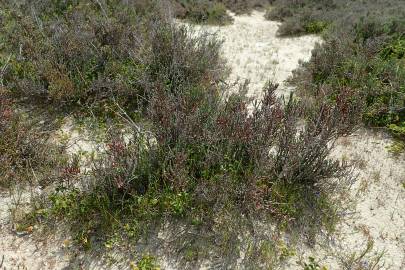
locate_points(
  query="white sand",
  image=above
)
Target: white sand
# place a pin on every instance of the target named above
(255, 53)
(379, 213)
(21, 251)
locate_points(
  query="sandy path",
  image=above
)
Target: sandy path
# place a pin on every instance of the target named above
(254, 52)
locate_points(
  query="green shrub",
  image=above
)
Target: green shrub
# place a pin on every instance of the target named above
(313, 265)
(147, 262)
(395, 49)
(396, 148)
(315, 27)
(204, 12)
(397, 130)
(359, 53)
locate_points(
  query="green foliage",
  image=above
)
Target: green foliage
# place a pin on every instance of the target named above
(147, 262)
(396, 148)
(315, 27)
(361, 55)
(397, 130)
(204, 12)
(395, 49)
(313, 265)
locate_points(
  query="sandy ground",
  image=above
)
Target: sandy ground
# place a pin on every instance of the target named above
(255, 53)
(20, 250)
(378, 216)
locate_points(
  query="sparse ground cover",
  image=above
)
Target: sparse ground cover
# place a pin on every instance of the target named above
(194, 179)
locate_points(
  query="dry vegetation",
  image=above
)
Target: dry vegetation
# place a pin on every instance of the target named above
(213, 11)
(363, 53)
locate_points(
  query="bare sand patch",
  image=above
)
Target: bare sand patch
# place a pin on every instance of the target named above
(254, 52)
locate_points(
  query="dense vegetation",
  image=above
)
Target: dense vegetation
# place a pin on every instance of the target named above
(363, 53)
(214, 11)
(26, 156)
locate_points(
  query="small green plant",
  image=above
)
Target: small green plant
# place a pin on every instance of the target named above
(397, 130)
(315, 27)
(313, 265)
(394, 49)
(285, 251)
(396, 148)
(147, 262)
(206, 12)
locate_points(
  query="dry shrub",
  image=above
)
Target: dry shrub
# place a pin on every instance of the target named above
(214, 11)
(363, 53)
(26, 155)
(206, 162)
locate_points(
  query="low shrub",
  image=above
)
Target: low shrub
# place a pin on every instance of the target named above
(203, 12)
(206, 162)
(302, 16)
(245, 6)
(215, 11)
(193, 156)
(362, 53)
(26, 155)
(86, 56)
(71, 53)
(315, 27)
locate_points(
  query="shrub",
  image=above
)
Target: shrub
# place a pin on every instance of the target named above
(86, 55)
(302, 16)
(203, 159)
(315, 27)
(72, 53)
(214, 11)
(245, 6)
(362, 54)
(207, 12)
(192, 156)
(146, 263)
(26, 155)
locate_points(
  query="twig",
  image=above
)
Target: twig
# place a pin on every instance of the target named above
(3, 70)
